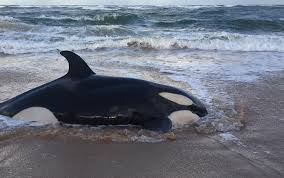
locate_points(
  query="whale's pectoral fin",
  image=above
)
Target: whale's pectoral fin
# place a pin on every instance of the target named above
(158, 124)
(78, 68)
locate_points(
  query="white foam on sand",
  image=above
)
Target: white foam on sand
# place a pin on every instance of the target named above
(6, 122)
(9, 123)
(228, 137)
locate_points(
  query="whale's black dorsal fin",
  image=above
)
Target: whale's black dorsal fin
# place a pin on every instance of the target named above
(78, 68)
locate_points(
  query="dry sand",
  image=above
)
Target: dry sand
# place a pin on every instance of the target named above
(255, 151)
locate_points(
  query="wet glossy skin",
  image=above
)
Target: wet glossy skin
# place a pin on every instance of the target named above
(82, 97)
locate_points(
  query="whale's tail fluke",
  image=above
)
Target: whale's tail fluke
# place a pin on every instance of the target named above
(78, 68)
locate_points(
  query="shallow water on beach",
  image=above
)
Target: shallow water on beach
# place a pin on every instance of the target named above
(197, 48)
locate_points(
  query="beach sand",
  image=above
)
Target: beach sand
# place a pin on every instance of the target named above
(255, 151)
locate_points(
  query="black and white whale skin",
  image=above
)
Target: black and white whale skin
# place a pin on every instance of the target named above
(82, 97)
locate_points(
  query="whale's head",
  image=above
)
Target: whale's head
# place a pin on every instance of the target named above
(186, 109)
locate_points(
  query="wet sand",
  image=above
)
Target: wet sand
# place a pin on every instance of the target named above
(257, 151)
(263, 135)
(190, 156)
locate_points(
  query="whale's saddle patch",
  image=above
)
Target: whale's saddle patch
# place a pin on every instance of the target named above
(78, 68)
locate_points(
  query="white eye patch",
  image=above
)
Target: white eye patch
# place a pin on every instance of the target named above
(179, 99)
(37, 114)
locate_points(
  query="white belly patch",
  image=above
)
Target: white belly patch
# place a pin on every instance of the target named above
(182, 118)
(179, 99)
(36, 114)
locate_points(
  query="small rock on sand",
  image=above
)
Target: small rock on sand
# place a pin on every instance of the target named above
(170, 136)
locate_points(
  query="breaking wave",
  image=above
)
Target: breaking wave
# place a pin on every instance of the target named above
(232, 42)
(99, 19)
(9, 23)
(199, 41)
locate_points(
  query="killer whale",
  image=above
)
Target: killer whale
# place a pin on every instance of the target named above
(83, 97)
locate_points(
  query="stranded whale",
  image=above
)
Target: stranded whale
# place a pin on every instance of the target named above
(82, 97)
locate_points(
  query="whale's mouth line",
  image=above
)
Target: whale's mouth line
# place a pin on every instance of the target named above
(94, 119)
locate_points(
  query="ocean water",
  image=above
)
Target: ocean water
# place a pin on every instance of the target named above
(45, 29)
(192, 47)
